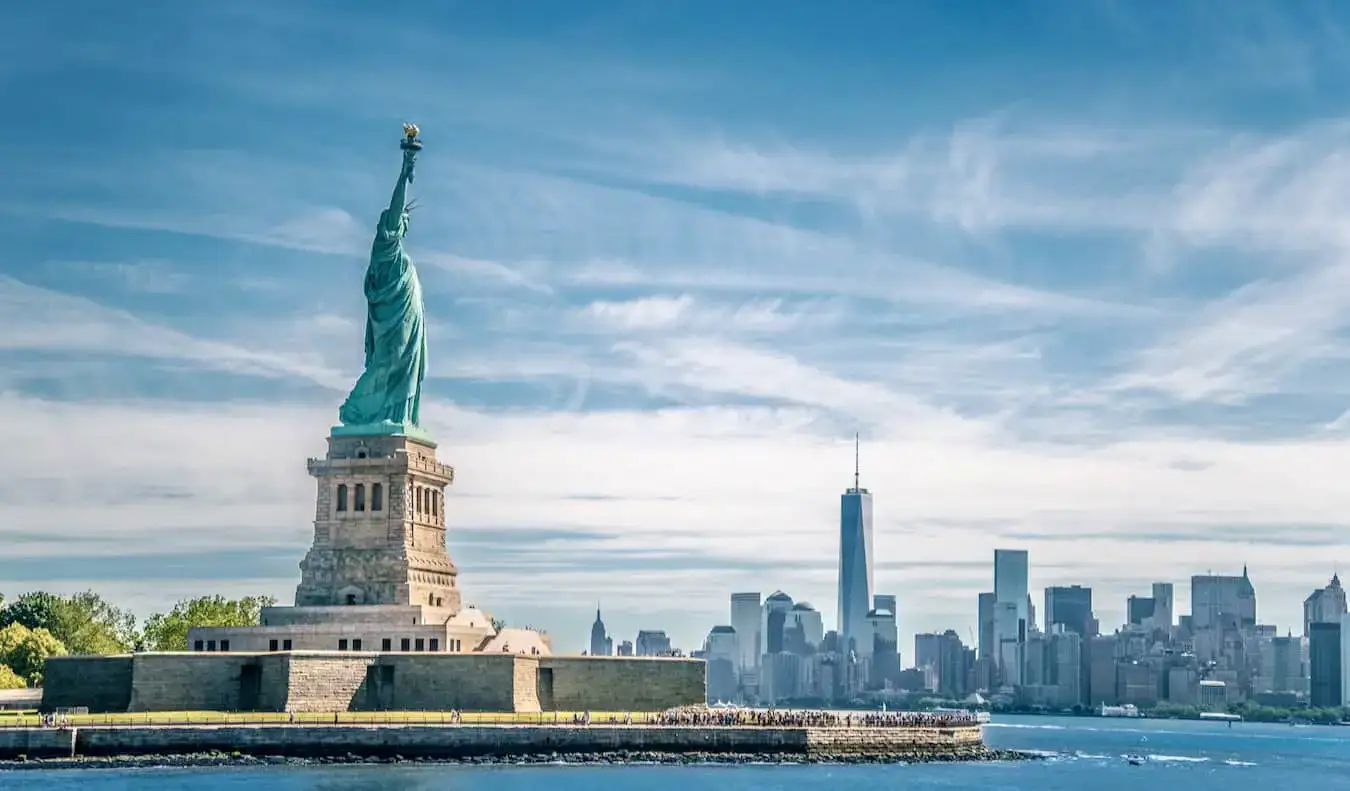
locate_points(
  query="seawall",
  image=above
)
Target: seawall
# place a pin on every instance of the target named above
(488, 741)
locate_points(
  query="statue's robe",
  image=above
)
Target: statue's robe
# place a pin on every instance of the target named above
(390, 388)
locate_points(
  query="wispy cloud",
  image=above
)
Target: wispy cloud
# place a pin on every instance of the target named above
(40, 320)
(685, 313)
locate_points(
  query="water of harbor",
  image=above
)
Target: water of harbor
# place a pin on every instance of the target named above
(1084, 752)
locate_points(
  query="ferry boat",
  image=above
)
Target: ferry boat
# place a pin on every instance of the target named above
(982, 717)
(1126, 710)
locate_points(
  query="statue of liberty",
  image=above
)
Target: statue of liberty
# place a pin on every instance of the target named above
(387, 398)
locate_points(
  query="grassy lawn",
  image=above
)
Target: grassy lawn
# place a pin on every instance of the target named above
(21, 719)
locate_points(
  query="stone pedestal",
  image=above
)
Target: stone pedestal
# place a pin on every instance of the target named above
(379, 527)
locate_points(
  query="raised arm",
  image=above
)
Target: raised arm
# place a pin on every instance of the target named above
(398, 203)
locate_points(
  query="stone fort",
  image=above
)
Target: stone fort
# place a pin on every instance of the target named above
(378, 623)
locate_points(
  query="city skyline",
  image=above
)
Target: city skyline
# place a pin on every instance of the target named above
(1081, 290)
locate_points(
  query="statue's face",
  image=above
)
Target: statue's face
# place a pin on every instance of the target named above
(404, 222)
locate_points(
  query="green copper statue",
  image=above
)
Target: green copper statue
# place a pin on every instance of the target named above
(387, 398)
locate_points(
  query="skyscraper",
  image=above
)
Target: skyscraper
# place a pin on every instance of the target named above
(1345, 660)
(1324, 664)
(775, 623)
(1216, 600)
(1070, 606)
(985, 645)
(1139, 609)
(652, 642)
(1010, 613)
(745, 620)
(1163, 605)
(722, 652)
(601, 644)
(807, 620)
(1325, 605)
(855, 563)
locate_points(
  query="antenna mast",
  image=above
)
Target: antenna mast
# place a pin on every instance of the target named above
(856, 467)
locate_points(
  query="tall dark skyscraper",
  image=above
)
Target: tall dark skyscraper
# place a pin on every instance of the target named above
(1139, 608)
(855, 562)
(986, 634)
(1324, 664)
(1070, 606)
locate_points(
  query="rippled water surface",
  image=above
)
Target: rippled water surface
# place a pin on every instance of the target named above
(1084, 753)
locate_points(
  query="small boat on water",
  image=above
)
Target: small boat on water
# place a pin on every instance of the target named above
(1135, 760)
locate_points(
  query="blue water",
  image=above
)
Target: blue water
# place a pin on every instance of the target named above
(1195, 756)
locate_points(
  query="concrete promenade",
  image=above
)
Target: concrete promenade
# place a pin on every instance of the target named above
(453, 742)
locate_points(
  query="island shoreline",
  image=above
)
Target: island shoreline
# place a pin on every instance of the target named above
(616, 758)
(153, 745)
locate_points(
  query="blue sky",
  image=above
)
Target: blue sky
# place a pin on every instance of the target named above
(1077, 272)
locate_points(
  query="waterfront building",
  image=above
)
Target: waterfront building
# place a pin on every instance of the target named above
(1011, 600)
(1101, 663)
(1063, 667)
(1344, 657)
(1324, 664)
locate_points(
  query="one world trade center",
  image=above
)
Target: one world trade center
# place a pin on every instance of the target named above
(855, 564)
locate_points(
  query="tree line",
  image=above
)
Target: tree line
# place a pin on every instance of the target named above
(38, 625)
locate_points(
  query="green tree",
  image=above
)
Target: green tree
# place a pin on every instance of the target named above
(25, 650)
(11, 680)
(97, 627)
(168, 631)
(85, 623)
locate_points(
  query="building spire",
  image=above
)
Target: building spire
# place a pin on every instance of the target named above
(856, 458)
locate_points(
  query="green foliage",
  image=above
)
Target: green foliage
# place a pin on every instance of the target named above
(498, 624)
(34, 610)
(168, 631)
(84, 623)
(11, 680)
(24, 651)
(97, 627)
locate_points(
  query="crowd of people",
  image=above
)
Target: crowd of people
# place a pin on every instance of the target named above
(772, 718)
(748, 718)
(55, 721)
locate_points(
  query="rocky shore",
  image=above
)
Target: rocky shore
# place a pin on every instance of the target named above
(215, 759)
